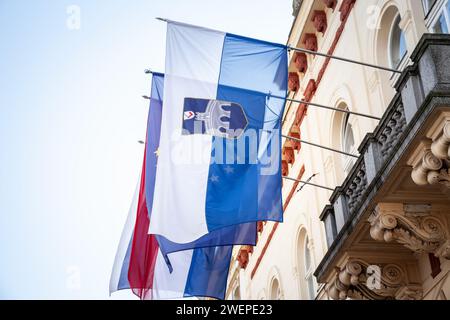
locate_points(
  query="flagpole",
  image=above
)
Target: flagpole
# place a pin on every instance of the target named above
(343, 59)
(313, 104)
(308, 183)
(149, 71)
(320, 146)
(318, 105)
(330, 56)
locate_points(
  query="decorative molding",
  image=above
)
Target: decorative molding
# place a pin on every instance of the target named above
(243, 256)
(293, 82)
(406, 20)
(431, 160)
(418, 231)
(441, 146)
(260, 226)
(418, 108)
(319, 20)
(300, 114)
(352, 279)
(295, 133)
(356, 186)
(288, 153)
(410, 293)
(391, 131)
(310, 42)
(301, 62)
(310, 90)
(346, 8)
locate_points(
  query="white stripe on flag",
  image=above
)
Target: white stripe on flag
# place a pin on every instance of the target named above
(127, 234)
(193, 58)
(168, 285)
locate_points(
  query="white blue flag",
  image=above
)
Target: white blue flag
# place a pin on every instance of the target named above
(156, 268)
(219, 158)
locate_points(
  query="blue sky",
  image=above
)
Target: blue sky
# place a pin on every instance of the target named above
(71, 114)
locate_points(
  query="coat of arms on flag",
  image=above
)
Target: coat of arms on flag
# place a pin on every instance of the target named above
(214, 117)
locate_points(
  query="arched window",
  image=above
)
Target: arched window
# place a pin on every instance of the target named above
(275, 290)
(305, 265)
(397, 43)
(308, 271)
(347, 141)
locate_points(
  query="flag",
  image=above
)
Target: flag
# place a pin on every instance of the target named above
(141, 266)
(170, 271)
(119, 274)
(202, 272)
(242, 234)
(219, 150)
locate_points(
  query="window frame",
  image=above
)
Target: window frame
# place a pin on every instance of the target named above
(399, 65)
(275, 295)
(427, 8)
(438, 9)
(347, 161)
(308, 270)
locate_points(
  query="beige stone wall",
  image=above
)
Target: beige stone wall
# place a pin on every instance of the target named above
(280, 262)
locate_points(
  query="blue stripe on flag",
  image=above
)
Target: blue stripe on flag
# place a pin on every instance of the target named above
(247, 190)
(244, 234)
(209, 272)
(153, 137)
(123, 280)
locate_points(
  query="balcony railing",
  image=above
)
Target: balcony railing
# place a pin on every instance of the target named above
(427, 78)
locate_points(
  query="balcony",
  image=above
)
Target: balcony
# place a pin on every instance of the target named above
(402, 177)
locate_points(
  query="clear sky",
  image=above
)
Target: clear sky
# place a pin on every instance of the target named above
(71, 114)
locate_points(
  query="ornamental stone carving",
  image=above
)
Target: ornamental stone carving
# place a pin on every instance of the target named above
(410, 293)
(301, 62)
(288, 153)
(441, 146)
(295, 133)
(260, 226)
(431, 160)
(293, 81)
(359, 280)
(417, 230)
(243, 256)
(320, 21)
(310, 42)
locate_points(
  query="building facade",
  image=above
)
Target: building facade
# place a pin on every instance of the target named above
(377, 225)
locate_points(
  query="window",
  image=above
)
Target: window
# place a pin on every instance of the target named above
(348, 143)
(427, 5)
(309, 271)
(397, 44)
(275, 291)
(437, 15)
